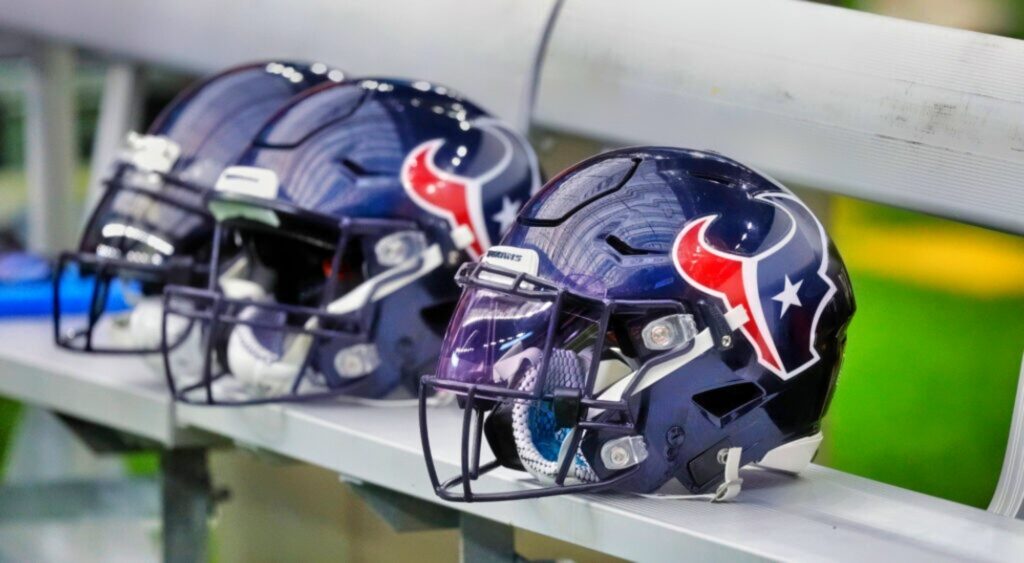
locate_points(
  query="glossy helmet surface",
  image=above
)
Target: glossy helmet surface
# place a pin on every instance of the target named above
(351, 213)
(151, 225)
(651, 310)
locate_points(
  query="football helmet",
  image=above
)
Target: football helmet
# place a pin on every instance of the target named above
(151, 226)
(654, 313)
(347, 219)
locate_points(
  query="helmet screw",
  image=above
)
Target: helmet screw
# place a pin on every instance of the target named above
(675, 436)
(661, 335)
(619, 456)
(727, 341)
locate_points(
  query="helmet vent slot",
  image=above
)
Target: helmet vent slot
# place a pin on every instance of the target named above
(725, 400)
(727, 182)
(623, 248)
(358, 170)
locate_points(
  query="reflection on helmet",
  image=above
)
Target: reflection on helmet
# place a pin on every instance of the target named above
(349, 273)
(151, 227)
(655, 314)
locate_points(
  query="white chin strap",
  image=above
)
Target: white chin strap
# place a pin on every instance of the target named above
(263, 372)
(143, 327)
(142, 330)
(730, 487)
(792, 458)
(270, 373)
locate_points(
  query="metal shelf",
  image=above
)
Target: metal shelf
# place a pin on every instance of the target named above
(824, 514)
(121, 394)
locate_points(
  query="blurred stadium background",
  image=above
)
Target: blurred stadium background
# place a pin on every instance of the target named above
(925, 396)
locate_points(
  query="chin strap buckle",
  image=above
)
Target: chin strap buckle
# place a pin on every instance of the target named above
(729, 488)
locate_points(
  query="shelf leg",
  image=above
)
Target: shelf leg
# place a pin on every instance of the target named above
(405, 513)
(486, 541)
(187, 504)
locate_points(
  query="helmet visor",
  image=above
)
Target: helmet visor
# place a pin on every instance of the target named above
(501, 341)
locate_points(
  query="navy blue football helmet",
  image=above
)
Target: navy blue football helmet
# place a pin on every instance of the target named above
(347, 219)
(654, 313)
(151, 226)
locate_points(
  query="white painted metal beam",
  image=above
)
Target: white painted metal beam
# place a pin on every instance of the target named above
(120, 111)
(50, 150)
(484, 49)
(908, 114)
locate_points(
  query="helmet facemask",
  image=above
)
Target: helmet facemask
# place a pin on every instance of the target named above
(140, 237)
(532, 364)
(292, 316)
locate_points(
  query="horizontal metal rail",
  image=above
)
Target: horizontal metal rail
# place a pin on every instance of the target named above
(913, 115)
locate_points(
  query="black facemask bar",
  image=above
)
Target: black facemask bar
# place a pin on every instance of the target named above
(105, 270)
(477, 398)
(217, 314)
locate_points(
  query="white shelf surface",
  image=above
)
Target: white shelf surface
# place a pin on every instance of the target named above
(823, 515)
(122, 393)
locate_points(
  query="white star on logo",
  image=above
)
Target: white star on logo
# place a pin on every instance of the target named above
(507, 215)
(788, 296)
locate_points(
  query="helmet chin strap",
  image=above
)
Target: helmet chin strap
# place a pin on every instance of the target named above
(141, 328)
(252, 363)
(249, 361)
(701, 344)
(533, 426)
(259, 368)
(730, 487)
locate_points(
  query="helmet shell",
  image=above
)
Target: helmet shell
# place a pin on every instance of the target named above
(393, 149)
(714, 235)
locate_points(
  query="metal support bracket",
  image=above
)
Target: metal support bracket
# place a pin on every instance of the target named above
(405, 513)
(486, 541)
(187, 501)
(105, 440)
(1008, 499)
(481, 540)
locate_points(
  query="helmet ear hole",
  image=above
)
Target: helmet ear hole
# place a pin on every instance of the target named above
(721, 402)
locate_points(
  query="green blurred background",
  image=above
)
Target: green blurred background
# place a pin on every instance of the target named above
(925, 395)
